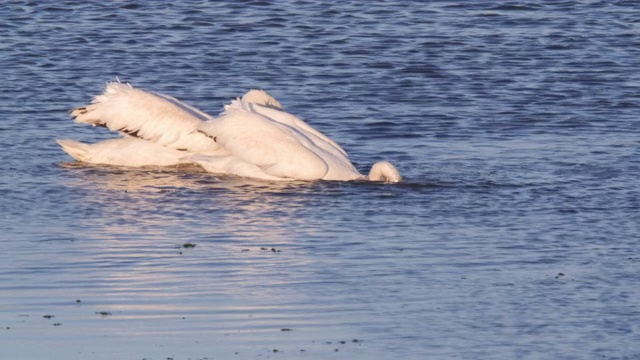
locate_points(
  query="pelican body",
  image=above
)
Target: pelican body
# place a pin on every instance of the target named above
(253, 137)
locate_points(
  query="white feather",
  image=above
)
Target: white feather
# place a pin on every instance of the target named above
(154, 117)
(232, 165)
(128, 151)
(278, 150)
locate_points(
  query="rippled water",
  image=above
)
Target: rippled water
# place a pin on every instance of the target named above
(515, 234)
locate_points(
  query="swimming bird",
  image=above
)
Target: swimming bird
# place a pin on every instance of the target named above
(253, 137)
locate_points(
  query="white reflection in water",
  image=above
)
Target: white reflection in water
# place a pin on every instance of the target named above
(246, 232)
(189, 195)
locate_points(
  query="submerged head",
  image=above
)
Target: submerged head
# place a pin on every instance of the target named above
(384, 171)
(261, 97)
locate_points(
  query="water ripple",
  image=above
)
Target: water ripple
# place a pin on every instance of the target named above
(513, 236)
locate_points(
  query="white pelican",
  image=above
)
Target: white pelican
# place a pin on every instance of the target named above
(253, 137)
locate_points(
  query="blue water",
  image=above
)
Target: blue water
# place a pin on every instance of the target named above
(515, 236)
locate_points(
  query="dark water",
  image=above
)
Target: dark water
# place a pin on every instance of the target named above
(515, 235)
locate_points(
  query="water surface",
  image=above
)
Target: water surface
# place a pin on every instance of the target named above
(515, 234)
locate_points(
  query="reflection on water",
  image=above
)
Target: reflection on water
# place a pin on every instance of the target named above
(150, 199)
(129, 179)
(247, 278)
(243, 228)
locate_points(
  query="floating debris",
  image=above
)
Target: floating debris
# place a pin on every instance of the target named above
(188, 245)
(48, 316)
(286, 329)
(57, 324)
(103, 313)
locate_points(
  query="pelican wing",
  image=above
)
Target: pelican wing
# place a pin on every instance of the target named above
(127, 151)
(339, 165)
(279, 150)
(290, 120)
(157, 118)
(230, 164)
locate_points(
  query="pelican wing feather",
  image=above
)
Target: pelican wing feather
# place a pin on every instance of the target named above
(154, 117)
